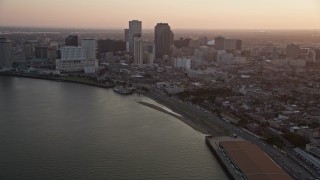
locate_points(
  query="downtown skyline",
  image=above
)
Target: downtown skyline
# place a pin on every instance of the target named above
(203, 14)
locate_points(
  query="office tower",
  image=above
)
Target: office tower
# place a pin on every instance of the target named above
(89, 45)
(171, 38)
(317, 51)
(72, 40)
(6, 55)
(239, 44)
(52, 53)
(135, 30)
(150, 51)
(28, 50)
(126, 38)
(293, 51)
(162, 39)
(219, 43)
(138, 50)
(230, 44)
(41, 52)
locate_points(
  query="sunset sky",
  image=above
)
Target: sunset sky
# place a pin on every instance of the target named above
(195, 14)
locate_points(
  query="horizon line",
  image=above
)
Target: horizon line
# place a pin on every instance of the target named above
(120, 28)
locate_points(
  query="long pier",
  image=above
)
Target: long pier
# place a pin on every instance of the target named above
(212, 143)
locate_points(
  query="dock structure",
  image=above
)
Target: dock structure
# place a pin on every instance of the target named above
(242, 159)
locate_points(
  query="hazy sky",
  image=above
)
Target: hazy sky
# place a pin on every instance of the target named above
(209, 14)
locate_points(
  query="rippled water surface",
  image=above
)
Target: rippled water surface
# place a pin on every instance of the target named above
(56, 130)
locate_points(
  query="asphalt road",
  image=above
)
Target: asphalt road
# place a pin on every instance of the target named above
(215, 123)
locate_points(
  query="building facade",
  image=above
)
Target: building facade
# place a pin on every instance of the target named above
(73, 59)
(6, 54)
(135, 30)
(41, 52)
(219, 43)
(138, 52)
(89, 45)
(162, 39)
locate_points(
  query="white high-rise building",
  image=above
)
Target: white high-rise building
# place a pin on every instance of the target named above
(138, 50)
(89, 45)
(73, 59)
(135, 30)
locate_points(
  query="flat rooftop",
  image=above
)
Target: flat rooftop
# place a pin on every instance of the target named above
(253, 162)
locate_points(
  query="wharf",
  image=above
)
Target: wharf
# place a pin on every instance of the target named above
(212, 143)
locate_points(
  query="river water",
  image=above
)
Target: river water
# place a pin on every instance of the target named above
(57, 130)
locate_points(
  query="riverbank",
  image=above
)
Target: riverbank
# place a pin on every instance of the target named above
(181, 117)
(190, 116)
(197, 120)
(59, 79)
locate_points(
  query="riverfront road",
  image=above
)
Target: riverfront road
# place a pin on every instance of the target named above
(293, 168)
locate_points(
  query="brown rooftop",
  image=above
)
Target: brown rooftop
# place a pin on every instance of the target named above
(253, 162)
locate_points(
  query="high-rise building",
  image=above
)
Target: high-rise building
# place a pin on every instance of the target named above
(171, 38)
(126, 38)
(239, 44)
(317, 51)
(28, 50)
(135, 30)
(150, 50)
(162, 39)
(222, 43)
(89, 45)
(6, 54)
(293, 51)
(138, 50)
(219, 43)
(72, 40)
(230, 44)
(41, 52)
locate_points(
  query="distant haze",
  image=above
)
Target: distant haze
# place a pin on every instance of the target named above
(189, 14)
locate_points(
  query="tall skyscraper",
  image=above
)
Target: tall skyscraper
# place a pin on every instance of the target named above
(72, 40)
(28, 50)
(6, 54)
(138, 50)
(135, 30)
(163, 39)
(89, 45)
(219, 43)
